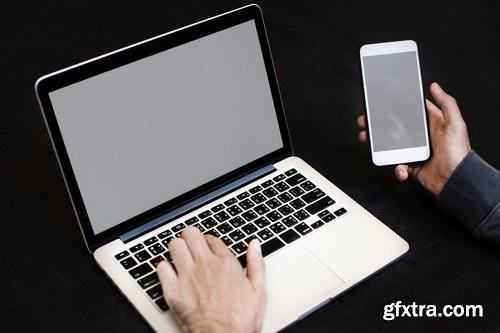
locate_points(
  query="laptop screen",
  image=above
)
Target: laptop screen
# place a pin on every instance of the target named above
(151, 130)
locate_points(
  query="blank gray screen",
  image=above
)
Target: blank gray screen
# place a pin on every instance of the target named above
(144, 133)
(395, 103)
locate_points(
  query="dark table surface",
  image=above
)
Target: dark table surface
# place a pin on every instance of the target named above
(50, 282)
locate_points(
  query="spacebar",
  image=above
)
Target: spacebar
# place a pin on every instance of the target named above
(320, 205)
(271, 246)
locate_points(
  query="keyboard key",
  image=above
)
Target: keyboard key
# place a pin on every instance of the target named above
(290, 172)
(285, 197)
(227, 240)
(230, 202)
(301, 215)
(209, 223)
(255, 189)
(258, 198)
(199, 226)
(242, 196)
(289, 236)
(212, 232)
(317, 224)
(261, 222)
(246, 204)
(155, 292)
(307, 186)
(328, 217)
(237, 235)
(249, 216)
(320, 205)
(296, 179)
(285, 210)
(150, 241)
(297, 203)
(156, 249)
(303, 228)
(265, 234)
(148, 281)
(179, 227)
(156, 260)
(323, 213)
(162, 304)
(274, 216)
(273, 203)
(192, 220)
(289, 221)
(271, 246)
(234, 210)
(239, 248)
(204, 214)
(277, 228)
(279, 177)
(224, 228)
(249, 239)
(270, 192)
(142, 256)
(121, 255)
(128, 263)
(164, 234)
(166, 241)
(222, 216)
(266, 184)
(218, 208)
(141, 270)
(249, 228)
(237, 221)
(136, 248)
(261, 209)
(313, 195)
(340, 211)
(296, 191)
(281, 187)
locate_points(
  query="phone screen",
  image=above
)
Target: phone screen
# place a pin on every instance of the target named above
(394, 97)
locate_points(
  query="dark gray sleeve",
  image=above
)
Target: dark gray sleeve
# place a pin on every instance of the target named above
(472, 194)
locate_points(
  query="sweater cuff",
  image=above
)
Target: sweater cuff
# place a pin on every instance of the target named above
(472, 193)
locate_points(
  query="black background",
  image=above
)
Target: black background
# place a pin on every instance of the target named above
(49, 282)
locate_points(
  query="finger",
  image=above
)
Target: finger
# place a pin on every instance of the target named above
(195, 243)
(256, 268)
(435, 115)
(361, 122)
(401, 172)
(181, 256)
(362, 136)
(166, 273)
(446, 103)
(217, 246)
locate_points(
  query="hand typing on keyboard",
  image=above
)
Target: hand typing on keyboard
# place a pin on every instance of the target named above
(208, 291)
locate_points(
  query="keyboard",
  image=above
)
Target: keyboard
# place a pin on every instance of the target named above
(273, 212)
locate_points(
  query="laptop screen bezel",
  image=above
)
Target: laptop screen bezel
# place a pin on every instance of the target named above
(107, 62)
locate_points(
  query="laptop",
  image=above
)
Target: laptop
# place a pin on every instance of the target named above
(188, 129)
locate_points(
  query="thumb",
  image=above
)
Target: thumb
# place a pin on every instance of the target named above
(256, 267)
(447, 104)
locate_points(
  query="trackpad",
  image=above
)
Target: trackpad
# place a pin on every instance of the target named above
(297, 281)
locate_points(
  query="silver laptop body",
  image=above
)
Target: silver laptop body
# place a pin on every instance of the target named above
(188, 128)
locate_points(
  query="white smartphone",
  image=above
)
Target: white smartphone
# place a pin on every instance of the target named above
(394, 103)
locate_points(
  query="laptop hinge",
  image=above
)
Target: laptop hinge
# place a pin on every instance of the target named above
(136, 232)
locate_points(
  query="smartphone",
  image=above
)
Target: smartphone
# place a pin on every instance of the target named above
(394, 103)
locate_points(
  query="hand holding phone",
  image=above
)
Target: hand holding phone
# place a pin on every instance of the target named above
(394, 103)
